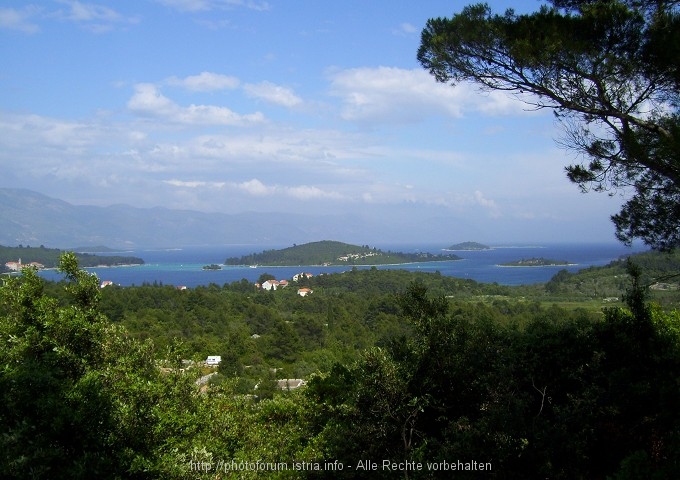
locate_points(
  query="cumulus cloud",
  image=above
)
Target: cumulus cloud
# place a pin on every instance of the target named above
(256, 187)
(148, 100)
(273, 93)
(298, 192)
(391, 94)
(306, 192)
(194, 184)
(396, 95)
(205, 82)
(483, 201)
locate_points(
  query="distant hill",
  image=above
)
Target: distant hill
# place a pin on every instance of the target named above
(30, 218)
(333, 253)
(468, 246)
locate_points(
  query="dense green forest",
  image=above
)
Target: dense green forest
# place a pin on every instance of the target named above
(469, 246)
(333, 253)
(421, 371)
(534, 262)
(49, 257)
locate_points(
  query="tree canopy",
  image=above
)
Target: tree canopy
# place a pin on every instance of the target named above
(435, 372)
(609, 70)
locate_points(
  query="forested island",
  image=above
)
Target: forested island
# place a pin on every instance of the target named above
(333, 253)
(536, 262)
(212, 266)
(49, 257)
(472, 246)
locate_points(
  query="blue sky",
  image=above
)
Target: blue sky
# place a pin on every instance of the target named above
(298, 106)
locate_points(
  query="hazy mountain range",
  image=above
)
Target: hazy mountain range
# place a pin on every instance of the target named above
(30, 218)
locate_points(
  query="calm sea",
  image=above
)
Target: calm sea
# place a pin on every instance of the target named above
(183, 266)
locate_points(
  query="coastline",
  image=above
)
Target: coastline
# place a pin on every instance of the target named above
(539, 266)
(335, 265)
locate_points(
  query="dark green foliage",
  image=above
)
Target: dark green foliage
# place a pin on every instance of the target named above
(332, 253)
(563, 397)
(463, 371)
(469, 246)
(608, 69)
(659, 272)
(80, 399)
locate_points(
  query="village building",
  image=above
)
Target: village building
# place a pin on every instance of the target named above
(17, 266)
(270, 285)
(290, 383)
(299, 276)
(213, 360)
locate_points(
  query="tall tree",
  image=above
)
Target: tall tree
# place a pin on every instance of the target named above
(609, 70)
(80, 398)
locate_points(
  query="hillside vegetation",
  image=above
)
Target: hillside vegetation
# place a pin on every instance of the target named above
(400, 366)
(49, 257)
(332, 253)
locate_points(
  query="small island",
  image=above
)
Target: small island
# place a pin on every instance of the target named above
(536, 262)
(331, 253)
(468, 246)
(212, 266)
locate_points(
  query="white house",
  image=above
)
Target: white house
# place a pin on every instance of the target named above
(18, 266)
(290, 383)
(270, 285)
(303, 292)
(14, 266)
(213, 360)
(299, 276)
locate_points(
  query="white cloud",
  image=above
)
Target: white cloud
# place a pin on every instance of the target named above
(483, 201)
(149, 101)
(392, 94)
(194, 184)
(33, 132)
(256, 187)
(396, 95)
(298, 192)
(94, 17)
(207, 5)
(85, 12)
(306, 192)
(205, 82)
(15, 19)
(273, 93)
